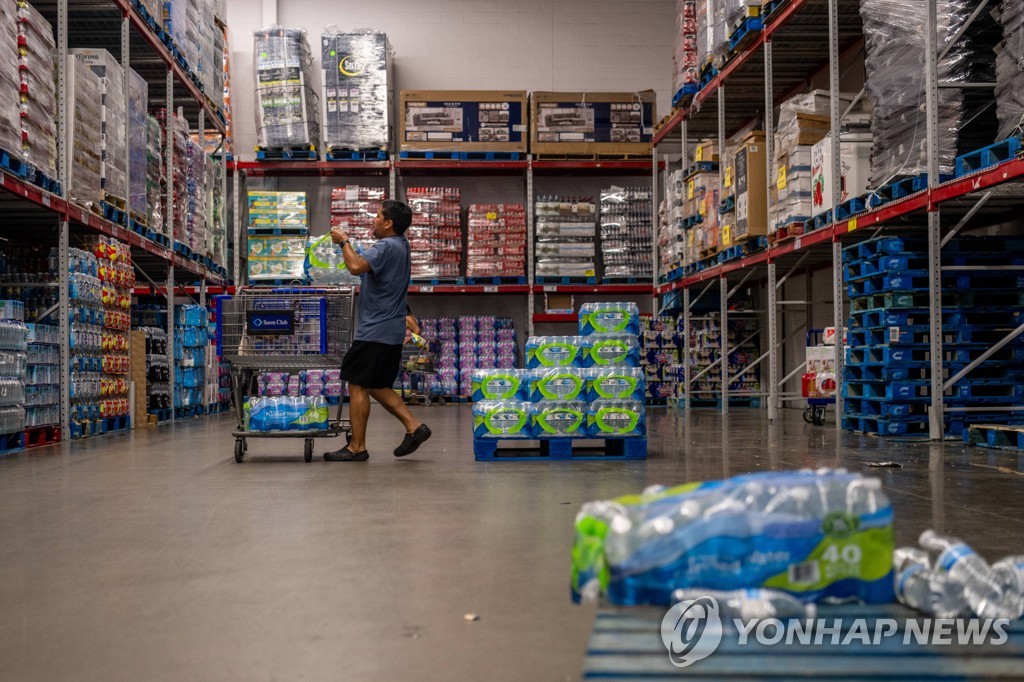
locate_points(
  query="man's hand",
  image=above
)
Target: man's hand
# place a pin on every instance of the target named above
(338, 235)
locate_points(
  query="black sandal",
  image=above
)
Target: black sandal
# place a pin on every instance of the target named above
(413, 440)
(346, 455)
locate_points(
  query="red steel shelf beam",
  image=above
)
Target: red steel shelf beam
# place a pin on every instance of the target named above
(309, 168)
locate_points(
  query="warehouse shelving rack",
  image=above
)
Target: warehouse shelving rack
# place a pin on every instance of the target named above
(114, 25)
(398, 169)
(797, 33)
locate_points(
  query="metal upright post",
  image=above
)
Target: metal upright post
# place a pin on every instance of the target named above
(684, 130)
(237, 190)
(169, 218)
(170, 332)
(931, 82)
(687, 371)
(531, 206)
(223, 261)
(773, 339)
(392, 180)
(723, 302)
(836, 172)
(64, 237)
(125, 69)
(654, 230)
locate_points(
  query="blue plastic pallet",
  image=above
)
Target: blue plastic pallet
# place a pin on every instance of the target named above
(439, 281)
(727, 205)
(691, 221)
(730, 253)
(992, 155)
(700, 167)
(563, 449)
(742, 36)
(335, 154)
(162, 415)
(707, 74)
(1000, 436)
(289, 154)
(12, 442)
(13, 165)
(43, 181)
(495, 280)
(625, 280)
(754, 244)
(686, 92)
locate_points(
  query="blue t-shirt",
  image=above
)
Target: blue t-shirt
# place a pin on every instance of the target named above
(382, 296)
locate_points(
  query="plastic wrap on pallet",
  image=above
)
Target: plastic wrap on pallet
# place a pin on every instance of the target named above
(174, 19)
(685, 58)
(496, 240)
(356, 89)
(1010, 71)
(894, 46)
(138, 105)
(175, 133)
(435, 236)
(113, 113)
(626, 232)
(154, 175)
(196, 210)
(566, 236)
(84, 95)
(37, 62)
(154, 8)
(10, 113)
(286, 114)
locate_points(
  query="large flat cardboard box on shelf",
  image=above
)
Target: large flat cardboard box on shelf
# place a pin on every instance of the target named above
(751, 189)
(463, 120)
(592, 123)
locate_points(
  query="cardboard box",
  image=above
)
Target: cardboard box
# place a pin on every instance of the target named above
(751, 190)
(591, 123)
(855, 171)
(137, 350)
(462, 120)
(559, 303)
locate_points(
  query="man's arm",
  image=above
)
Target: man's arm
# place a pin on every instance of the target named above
(355, 263)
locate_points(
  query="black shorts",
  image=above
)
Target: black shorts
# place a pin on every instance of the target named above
(371, 364)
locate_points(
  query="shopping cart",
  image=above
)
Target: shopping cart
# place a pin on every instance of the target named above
(265, 329)
(419, 362)
(818, 383)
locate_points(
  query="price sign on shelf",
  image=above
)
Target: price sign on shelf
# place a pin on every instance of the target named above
(550, 288)
(781, 182)
(490, 289)
(46, 200)
(726, 236)
(851, 225)
(699, 154)
(427, 289)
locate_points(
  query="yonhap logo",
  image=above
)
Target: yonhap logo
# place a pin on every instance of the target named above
(691, 631)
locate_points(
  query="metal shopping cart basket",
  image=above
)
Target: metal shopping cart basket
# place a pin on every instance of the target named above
(419, 363)
(264, 329)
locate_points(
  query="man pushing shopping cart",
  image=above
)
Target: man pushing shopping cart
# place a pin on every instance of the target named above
(375, 356)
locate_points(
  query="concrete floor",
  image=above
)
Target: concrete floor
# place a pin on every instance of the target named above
(153, 556)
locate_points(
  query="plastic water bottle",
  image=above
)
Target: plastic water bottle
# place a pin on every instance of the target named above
(924, 589)
(981, 585)
(1010, 574)
(751, 604)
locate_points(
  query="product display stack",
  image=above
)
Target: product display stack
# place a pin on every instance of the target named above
(573, 387)
(113, 113)
(1009, 74)
(10, 113)
(357, 91)
(117, 279)
(672, 238)
(191, 341)
(660, 353)
(803, 121)
(705, 350)
(13, 367)
(626, 234)
(85, 110)
(286, 116)
(445, 380)
(138, 142)
(686, 74)
(217, 374)
(155, 178)
(354, 207)
(37, 52)
(196, 213)
(158, 374)
(216, 218)
(278, 227)
(496, 244)
(435, 236)
(42, 385)
(483, 343)
(566, 236)
(175, 133)
(702, 191)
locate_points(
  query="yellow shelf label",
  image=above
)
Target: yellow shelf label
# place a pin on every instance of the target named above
(728, 176)
(699, 154)
(781, 182)
(689, 189)
(852, 225)
(726, 235)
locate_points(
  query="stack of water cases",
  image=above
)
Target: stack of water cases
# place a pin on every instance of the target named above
(175, 23)
(113, 111)
(887, 378)
(583, 386)
(435, 236)
(86, 325)
(286, 116)
(158, 373)
(13, 366)
(626, 234)
(566, 239)
(445, 381)
(496, 243)
(191, 341)
(85, 112)
(278, 227)
(357, 91)
(138, 146)
(196, 213)
(10, 115)
(217, 373)
(155, 177)
(36, 63)
(484, 343)
(42, 381)
(312, 383)
(117, 279)
(175, 133)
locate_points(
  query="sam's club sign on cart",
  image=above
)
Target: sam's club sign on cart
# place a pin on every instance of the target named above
(270, 322)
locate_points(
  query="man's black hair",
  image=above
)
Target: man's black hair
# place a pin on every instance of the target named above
(398, 213)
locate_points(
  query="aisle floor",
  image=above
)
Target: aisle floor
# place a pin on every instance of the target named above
(153, 556)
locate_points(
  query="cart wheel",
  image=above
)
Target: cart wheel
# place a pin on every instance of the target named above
(239, 450)
(308, 453)
(819, 415)
(809, 415)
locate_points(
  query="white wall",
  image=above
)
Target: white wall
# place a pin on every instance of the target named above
(612, 45)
